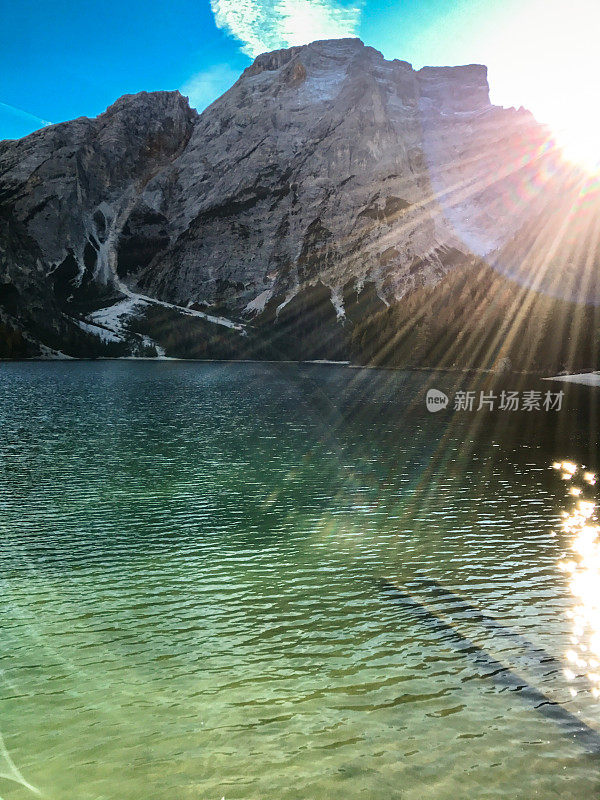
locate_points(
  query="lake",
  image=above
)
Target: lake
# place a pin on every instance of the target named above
(194, 560)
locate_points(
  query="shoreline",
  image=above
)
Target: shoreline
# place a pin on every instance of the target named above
(580, 378)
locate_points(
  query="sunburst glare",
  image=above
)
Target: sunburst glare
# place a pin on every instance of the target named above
(553, 68)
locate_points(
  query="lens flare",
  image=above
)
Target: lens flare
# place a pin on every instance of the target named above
(580, 147)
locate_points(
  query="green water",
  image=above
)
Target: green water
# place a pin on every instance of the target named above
(190, 562)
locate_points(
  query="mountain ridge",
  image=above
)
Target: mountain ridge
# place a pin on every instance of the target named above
(326, 183)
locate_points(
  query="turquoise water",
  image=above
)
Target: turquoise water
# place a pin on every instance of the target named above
(191, 559)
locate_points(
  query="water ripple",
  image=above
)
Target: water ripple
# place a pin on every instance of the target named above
(190, 558)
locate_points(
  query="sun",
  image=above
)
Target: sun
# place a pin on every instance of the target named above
(580, 141)
(544, 55)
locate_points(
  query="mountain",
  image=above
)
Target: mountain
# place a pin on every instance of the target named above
(295, 217)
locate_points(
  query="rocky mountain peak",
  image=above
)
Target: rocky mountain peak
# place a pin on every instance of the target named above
(151, 104)
(272, 61)
(455, 89)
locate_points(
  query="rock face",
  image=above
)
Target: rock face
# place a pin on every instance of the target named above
(326, 184)
(311, 168)
(74, 185)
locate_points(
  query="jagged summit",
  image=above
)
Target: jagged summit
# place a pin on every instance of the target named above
(344, 50)
(158, 102)
(275, 59)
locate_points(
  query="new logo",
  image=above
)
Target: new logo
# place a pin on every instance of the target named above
(435, 400)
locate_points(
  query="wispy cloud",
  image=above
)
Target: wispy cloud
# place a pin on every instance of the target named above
(262, 25)
(206, 86)
(20, 112)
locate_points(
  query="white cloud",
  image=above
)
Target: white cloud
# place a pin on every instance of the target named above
(20, 112)
(263, 25)
(204, 87)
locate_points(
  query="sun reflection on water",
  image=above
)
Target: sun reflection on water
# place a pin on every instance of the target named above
(583, 569)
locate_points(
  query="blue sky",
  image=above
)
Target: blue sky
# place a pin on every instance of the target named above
(63, 59)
